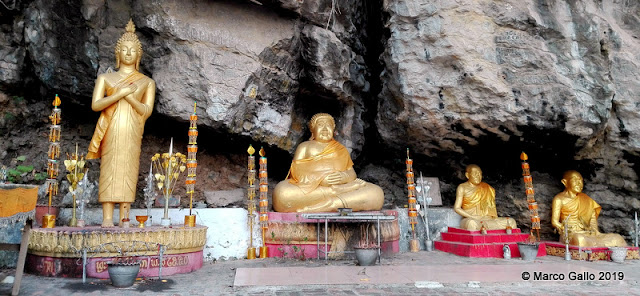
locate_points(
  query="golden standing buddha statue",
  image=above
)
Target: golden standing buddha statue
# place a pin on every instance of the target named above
(476, 203)
(321, 177)
(117, 138)
(583, 213)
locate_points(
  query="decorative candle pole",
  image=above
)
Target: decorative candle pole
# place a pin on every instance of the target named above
(48, 220)
(636, 228)
(423, 189)
(166, 221)
(149, 198)
(264, 202)
(251, 194)
(149, 191)
(567, 255)
(83, 191)
(533, 205)
(192, 164)
(414, 244)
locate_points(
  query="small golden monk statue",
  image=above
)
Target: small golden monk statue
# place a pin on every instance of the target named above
(476, 203)
(125, 99)
(321, 177)
(583, 215)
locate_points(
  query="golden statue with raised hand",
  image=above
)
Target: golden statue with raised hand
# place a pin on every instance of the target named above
(583, 215)
(322, 179)
(476, 203)
(125, 108)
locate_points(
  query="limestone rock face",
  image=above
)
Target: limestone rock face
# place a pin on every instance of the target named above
(481, 81)
(240, 62)
(11, 54)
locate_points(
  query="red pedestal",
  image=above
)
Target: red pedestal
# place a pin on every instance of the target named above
(587, 253)
(309, 249)
(473, 244)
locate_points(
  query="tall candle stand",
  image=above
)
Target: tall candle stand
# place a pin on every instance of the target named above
(192, 164)
(251, 205)
(264, 202)
(414, 244)
(49, 220)
(533, 205)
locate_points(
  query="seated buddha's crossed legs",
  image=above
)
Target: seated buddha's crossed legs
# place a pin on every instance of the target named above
(601, 240)
(325, 199)
(490, 223)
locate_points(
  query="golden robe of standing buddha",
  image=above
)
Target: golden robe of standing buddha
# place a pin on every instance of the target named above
(125, 99)
(476, 203)
(322, 179)
(583, 215)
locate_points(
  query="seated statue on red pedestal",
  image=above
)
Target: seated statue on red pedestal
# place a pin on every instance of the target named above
(476, 203)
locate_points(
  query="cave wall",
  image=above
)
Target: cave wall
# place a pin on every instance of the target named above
(480, 82)
(456, 83)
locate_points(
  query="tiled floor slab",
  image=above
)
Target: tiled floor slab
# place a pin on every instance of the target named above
(337, 275)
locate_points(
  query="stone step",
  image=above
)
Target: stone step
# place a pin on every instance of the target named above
(483, 238)
(497, 231)
(487, 250)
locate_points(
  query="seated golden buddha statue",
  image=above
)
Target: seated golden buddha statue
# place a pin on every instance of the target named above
(583, 215)
(321, 177)
(476, 203)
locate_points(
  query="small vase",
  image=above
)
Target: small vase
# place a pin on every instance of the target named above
(506, 252)
(48, 221)
(190, 220)
(483, 230)
(428, 245)
(42, 210)
(141, 219)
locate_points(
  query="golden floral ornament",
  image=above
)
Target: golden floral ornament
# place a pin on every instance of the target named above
(168, 169)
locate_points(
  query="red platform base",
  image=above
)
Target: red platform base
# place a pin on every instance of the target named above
(97, 266)
(587, 253)
(473, 244)
(291, 236)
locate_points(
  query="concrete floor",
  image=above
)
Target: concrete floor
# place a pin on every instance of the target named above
(422, 273)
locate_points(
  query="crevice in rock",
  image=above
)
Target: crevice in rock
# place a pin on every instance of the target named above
(374, 36)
